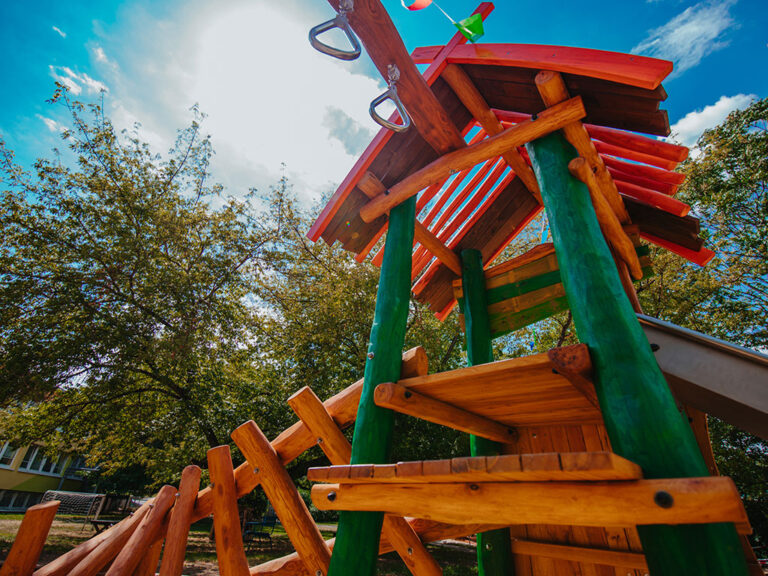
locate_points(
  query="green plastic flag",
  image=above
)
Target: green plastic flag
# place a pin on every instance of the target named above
(471, 28)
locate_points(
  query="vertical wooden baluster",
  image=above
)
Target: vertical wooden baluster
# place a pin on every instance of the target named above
(226, 520)
(181, 517)
(30, 539)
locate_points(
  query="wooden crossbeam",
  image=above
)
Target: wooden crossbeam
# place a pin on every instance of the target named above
(400, 399)
(470, 96)
(548, 121)
(90, 557)
(281, 492)
(625, 559)
(335, 446)
(543, 467)
(372, 187)
(378, 34)
(145, 535)
(178, 528)
(609, 223)
(627, 503)
(30, 539)
(553, 91)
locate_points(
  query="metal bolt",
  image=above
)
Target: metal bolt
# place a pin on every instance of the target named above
(331, 496)
(370, 355)
(410, 551)
(654, 347)
(319, 440)
(663, 499)
(488, 546)
(319, 573)
(474, 487)
(256, 470)
(534, 117)
(408, 394)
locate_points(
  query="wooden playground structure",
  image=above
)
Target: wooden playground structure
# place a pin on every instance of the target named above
(583, 461)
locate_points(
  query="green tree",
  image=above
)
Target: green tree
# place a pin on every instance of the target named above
(124, 281)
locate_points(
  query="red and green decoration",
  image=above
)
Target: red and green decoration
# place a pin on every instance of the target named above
(471, 27)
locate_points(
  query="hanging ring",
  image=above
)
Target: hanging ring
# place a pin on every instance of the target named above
(391, 94)
(342, 24)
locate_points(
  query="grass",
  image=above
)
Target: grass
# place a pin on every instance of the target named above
(67, 532)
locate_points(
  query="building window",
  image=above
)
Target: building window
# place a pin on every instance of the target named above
(8, 454)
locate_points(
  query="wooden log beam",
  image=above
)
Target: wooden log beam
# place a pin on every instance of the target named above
(548, 121)
(639, 502)
(378, 34)
(639, 411)
(609, 223)
(90, 557)
(178, 528)
(372, 187)
(145, 535)
(226, 518)
(335, 446)
(400, 399)
(584, 555)
(148, 563)
(281, 492)
(432, 243)
(473, 101)
(30, 539)
(553, 91)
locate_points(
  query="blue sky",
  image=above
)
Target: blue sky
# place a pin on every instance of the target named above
(271, 99)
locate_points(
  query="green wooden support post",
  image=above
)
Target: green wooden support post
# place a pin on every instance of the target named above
(494, 548)
(357, 541)
(640, 414)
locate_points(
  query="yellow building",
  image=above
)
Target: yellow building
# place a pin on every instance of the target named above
(26, 473)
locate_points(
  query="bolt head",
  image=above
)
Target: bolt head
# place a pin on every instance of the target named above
(370, 355)
(663, 499)
(331, 496)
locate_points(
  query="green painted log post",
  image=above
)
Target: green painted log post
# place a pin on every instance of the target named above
(640, 415)
(494, 554)
(357, 541)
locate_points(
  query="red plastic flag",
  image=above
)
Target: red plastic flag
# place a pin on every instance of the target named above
(417, 5)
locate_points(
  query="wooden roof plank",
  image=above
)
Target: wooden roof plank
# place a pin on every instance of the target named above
(631, 69)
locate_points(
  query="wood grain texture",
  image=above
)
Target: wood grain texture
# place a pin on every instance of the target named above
(148, 563)
(543, 467)
(281, 492)
(696, 501)
(378, 34)
(145, 535)
(30, 539)
(178, 527)
(476, 104)
(226, 518)
(90, 557)
(551, 119)
(609, 223)
(404, 401)
(630, 560)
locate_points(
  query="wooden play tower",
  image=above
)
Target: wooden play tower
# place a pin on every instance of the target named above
(582, 459)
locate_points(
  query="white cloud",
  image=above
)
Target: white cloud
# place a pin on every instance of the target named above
(59, 31)
(266, 92)
(51, 124)
(76, 82)
(691, 35)
(691, 126)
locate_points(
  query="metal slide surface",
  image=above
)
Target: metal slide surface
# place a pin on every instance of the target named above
(721, 379)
